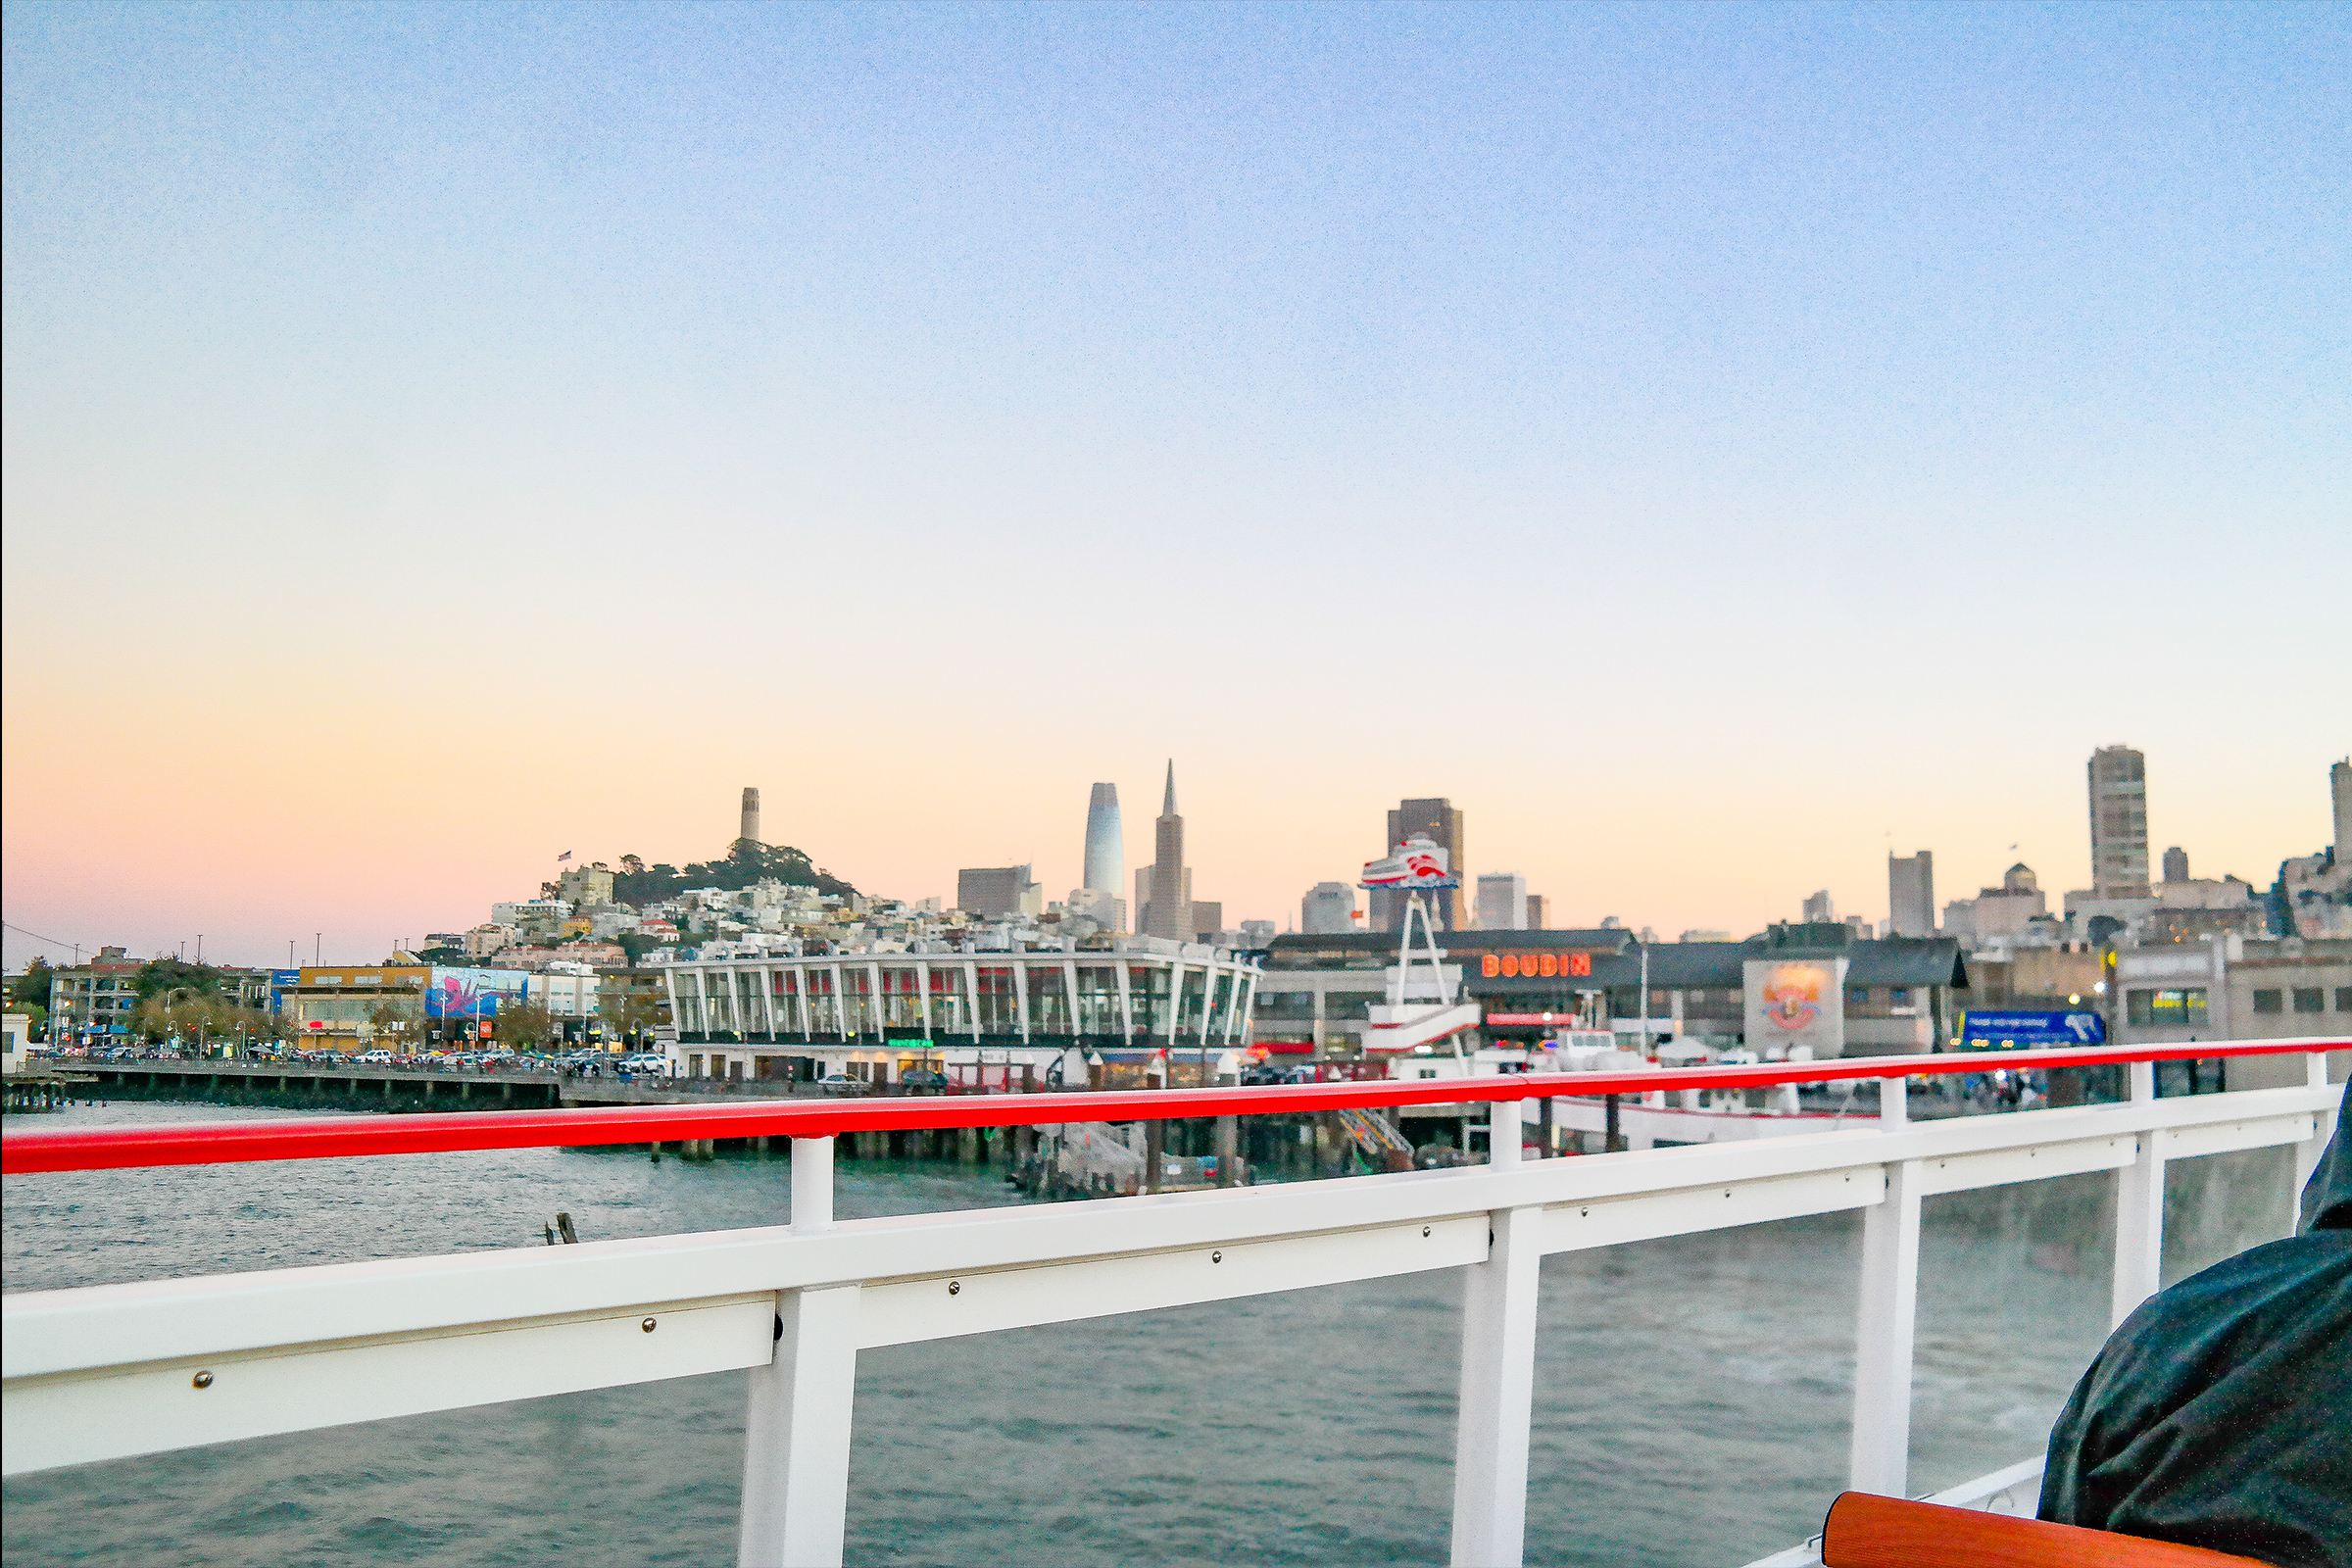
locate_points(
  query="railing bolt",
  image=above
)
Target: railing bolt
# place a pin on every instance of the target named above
(1424, 1230)
(1216, 1257)
(202, 1380)
(954, 1287)
(647, 1325)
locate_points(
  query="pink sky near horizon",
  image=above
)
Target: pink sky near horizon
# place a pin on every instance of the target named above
(252, 852)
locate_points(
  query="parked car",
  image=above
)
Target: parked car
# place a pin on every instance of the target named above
(645, 1063)
(837, 1083)
(378, 1057)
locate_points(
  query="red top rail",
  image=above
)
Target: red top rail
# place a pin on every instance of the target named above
(342, 1137)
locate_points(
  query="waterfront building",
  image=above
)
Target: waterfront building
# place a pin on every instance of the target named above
(1502, 901)
(1436, 819)
(2235, 988)
(100, 997)
(1328, 906)
(94, 998)
(1017, 1012)
(1105, 844)
(2119, 823)
(1164, 899)
(2060, 974)
(995, 892)
(1911, 893)
(1845, 993)
(407, 1005)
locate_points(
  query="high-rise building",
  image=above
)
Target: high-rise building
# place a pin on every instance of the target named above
(1328, 908)
(1209, 919)
(2119, 823)
(992, 892)
(1167, 897)
(1435, 820)
(1257, 933)
(1502, 901)
(1535, 912)
(1105, 844)
(1821, 907)
(749, 826)
(2340, 785)
(2176, 864)
(1911, 893)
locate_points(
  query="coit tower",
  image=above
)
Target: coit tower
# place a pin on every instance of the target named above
(751, 815)
(1105, 845)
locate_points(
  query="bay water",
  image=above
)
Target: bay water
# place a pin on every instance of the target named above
(1692, 1396)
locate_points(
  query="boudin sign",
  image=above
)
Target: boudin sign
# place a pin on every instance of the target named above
(1535, 965)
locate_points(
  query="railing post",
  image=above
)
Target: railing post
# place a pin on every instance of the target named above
(2140, 1208)
(796, 1456)
(2308, 1152)
(1498, 1373)
(1880, 1456)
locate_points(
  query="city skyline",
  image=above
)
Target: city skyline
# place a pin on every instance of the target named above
(1745, 901)
(463, 358)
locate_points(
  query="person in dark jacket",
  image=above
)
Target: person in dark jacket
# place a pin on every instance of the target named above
(2220, 1414)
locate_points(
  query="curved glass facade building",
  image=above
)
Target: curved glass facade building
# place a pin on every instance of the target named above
(1105, 846)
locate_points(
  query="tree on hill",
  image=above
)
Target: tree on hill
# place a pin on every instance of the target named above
(745, 864)
(31, 987)
(160, 976)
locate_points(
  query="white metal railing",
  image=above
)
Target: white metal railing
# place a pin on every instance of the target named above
(114, 1371)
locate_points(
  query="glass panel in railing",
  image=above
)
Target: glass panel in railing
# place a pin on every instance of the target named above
(2014, 1285)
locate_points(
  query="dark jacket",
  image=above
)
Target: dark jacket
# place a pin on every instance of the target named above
(2221, 1413)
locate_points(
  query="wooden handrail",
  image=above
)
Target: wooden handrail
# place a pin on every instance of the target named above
(1867, 1530)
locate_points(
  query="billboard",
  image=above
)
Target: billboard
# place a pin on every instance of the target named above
(1796, 1001)
(472, 993)
(1419, 865)
(2031, 1029)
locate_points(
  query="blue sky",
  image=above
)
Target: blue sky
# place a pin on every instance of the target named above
(1701, 441)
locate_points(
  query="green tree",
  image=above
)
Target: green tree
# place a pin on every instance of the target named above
(630, 1012)
(31, 987)
(185, 1013)
(160, 976)
(397, 1023)
(523, 1025)
(743, 863)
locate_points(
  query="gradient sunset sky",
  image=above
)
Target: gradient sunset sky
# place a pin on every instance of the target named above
(1712, 445)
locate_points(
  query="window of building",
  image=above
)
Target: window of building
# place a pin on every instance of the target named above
(2310, 998)
(2166, 1009)
(1857, 995)
(2269, 1002)
(2343, 998)
(1900, 996)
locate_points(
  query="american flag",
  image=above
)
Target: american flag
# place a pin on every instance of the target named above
(566, 855)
